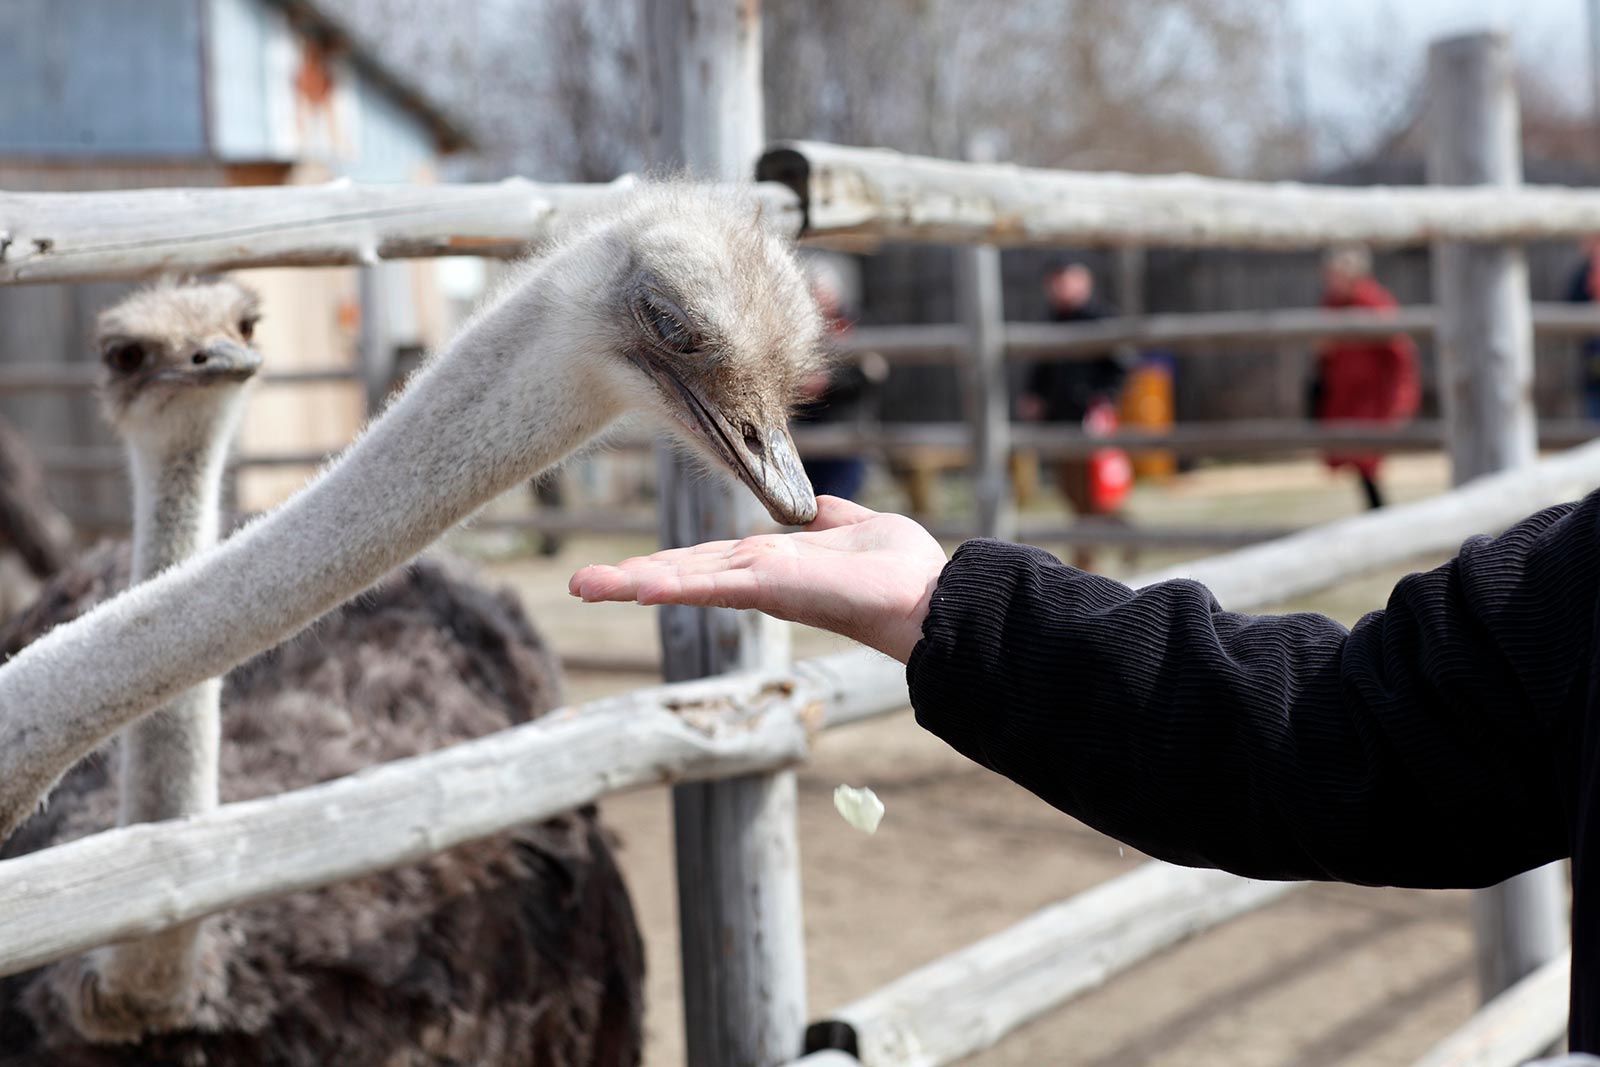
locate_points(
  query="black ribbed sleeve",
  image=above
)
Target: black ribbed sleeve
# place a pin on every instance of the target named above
(1430, 746)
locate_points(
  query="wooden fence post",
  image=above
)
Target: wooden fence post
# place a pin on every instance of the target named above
(987, 379)
(375, 347)
(1485, 346)
(737, 851)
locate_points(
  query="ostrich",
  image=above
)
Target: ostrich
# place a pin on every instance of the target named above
(518, 949)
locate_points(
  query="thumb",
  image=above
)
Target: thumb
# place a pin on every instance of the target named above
(835, 511)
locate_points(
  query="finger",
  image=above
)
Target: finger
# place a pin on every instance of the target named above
(722, 589)
(598, 583)
(623, 582)
(702, 549)
(648, 569)
(835, 511)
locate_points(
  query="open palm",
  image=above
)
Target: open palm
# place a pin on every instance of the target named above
(865, 575)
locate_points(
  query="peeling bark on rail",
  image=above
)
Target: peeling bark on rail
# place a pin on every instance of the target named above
(137, 880)
(865, 195)
(75, 237)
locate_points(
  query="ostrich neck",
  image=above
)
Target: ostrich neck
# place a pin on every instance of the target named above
(168, 761)
(469, 426)
(177, 490)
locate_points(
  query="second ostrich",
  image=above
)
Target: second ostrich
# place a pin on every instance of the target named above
(520, 949)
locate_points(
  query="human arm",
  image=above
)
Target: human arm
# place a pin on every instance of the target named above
(1425, 748)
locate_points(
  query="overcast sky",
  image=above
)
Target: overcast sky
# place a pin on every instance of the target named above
(1341, 35)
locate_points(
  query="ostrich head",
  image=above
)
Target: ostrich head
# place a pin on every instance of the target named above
(692, 313)
(175, 357)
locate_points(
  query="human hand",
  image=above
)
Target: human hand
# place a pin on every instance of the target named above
(865, 575)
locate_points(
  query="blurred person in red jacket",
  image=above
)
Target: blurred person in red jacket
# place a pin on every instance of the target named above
(1370, 379)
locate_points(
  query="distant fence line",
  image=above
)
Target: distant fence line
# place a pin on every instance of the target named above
(1187, 332)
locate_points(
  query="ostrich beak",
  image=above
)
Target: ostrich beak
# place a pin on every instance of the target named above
(760, 454)
(763, 457)
(770, 466)
(220, 361)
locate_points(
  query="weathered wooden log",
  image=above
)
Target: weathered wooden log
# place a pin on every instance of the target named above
(74, 237)
(968, 1000)
(873, 194)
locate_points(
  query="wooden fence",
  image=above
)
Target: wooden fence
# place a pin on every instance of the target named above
(733, 737)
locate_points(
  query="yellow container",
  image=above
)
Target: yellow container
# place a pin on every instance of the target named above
(1147, 404)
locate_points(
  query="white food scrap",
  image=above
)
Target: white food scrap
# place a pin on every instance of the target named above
(861, 808)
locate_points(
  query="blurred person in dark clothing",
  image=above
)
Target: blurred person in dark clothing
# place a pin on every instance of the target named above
(1585, 289)
(1065, 390)
(1081, 392)
(1364, 379)
(840, 394)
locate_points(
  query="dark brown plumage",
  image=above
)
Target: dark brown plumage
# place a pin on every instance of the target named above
(519, 949)
(33, 531)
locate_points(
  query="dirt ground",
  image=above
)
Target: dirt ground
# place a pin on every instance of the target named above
(1329, 975)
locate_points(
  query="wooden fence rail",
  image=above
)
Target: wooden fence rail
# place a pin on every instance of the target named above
(856, 196)
(968, 1000)
(77, 237)
(844, 193)
(1193, 333)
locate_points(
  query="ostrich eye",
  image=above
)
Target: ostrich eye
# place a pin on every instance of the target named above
(126, 357)
(667, 324)
(247, 328)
